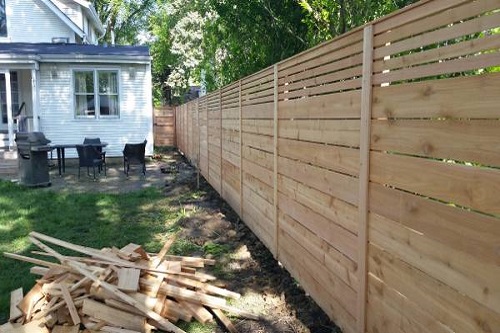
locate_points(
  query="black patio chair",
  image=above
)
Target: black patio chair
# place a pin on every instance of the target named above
(134, 153)
(89, 156)
(96, 141)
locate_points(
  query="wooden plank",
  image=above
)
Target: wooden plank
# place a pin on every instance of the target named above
(336, 132)
(128, 279)
(16, 296)
(470, 277)
(450, 98)
(364, 175)
(447, 33)
(473, 141)
(332, 259)
(66, 329)
(444, 67)
(275, 164)
(418, 11)
(257, 171)
(353, 83)
(260, 111)
(225, 321)
(296, 263)
(70, 304)
(334, 209)
(468, 47)
(451, 308)
(464, 9)
(467, 186)
(260, 157)
(332, 183)
(34, 326)
(341, 159)
(336, 236)
(459, 229)
(198, 311)
(322, 76)
(328, 67)
(113, 316)
(262, 142)
(30, 299)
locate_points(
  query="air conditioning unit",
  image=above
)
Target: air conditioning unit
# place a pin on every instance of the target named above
(60, 40)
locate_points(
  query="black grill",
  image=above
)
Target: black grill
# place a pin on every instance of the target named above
(32, 148)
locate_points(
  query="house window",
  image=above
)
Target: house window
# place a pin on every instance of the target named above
(96, 93)
(3, 19)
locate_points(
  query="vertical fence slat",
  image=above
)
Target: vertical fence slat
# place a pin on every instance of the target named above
(275, 163)
(364, 173)
(240, 119)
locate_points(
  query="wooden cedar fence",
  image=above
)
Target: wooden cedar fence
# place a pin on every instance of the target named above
(369, 166)
(164, 126)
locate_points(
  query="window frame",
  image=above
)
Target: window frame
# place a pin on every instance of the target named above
(4, 5)
(96, 94)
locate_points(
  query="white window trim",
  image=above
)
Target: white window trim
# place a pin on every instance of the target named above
(95, 71)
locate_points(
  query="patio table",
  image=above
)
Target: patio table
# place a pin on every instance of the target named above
(61, 154)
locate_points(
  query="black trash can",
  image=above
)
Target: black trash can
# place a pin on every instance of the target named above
(32, 148)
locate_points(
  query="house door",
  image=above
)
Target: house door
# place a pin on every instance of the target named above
(14, 84)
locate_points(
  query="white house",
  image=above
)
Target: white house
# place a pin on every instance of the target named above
(55, 78)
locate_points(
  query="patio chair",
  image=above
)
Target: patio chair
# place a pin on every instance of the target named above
(134, 153)
(96, 141)
(89, 156)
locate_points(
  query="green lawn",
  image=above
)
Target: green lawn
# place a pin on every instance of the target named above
(98, 220)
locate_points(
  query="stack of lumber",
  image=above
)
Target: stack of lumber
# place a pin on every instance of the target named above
(116, 290)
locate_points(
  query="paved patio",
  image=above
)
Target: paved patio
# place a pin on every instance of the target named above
(115, 181)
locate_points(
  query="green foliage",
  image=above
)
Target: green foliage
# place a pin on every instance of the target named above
(216, 250)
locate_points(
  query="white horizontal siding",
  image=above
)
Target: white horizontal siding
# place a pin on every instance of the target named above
(30, 21)
(136, 115)
(72, 10)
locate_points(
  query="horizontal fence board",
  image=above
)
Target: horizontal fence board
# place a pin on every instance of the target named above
(472, 141)
(467, 186)
(461, 230)
(336, 66)
(456, 269)
(338, 237)
(434, 69)
(336, 210)
(264, 190)
(329, 257)
(260, 157)
(257, 171)
(294, 256)
(260, 111)
(390, 311)
(346, 105)
(465, 48)
(447, 33)
(337, 132)
(258, 126)
(341, 159)
(262, 142)
(335, 184)
(458, 312)
(451, 98)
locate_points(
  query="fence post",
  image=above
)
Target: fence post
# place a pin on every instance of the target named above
(364, 173)
(220, 136)
(275, 168)
(199, 143)
(240, 111)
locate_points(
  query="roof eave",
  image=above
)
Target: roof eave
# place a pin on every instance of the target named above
(59, 13)
(121, 59)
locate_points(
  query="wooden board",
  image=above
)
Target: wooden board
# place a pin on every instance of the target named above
(16, 296)
(128, 279)
(468, 186)
(336, 132)
(445, 304)
(332, 183)
(341, 159)
(450, 98)
(113, 316)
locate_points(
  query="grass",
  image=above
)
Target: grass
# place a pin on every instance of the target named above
(97, 220)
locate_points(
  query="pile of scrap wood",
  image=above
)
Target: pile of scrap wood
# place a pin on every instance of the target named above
(116, 290)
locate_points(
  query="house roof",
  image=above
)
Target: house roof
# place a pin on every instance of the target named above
(48, 52)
